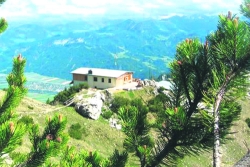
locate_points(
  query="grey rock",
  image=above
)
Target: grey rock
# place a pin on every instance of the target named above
(147, 82)
(91, 107)
(155, 92)
(141, 83)
(113, 122)
(107, 95)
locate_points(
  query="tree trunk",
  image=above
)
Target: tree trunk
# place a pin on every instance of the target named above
(216, 150)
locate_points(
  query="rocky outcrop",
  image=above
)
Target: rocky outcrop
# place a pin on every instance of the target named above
(147, 82)
(92, 106)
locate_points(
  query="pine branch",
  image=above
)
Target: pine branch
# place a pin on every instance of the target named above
(48, 144)
(3, 23)
(11, 133)
(15, 91)
(118, 159)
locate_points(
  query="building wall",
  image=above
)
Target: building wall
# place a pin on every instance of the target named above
(80, 77)
(115, 82)
(102, 85)
(90, 81)
(76, 82)
(126, 78)
(119, 81)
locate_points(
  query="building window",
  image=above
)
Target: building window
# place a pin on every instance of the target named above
(109, 80)
(102, 79)
(95, 79)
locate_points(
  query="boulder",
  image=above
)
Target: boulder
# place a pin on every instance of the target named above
(91, 107)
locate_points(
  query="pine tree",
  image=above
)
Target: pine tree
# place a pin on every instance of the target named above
(231, 59)
(44, 146)
(184, 129)
(136, 129)
(214, 73)
(200, 74)
(11, 132)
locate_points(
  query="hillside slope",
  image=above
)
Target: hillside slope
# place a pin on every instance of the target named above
(100, 136)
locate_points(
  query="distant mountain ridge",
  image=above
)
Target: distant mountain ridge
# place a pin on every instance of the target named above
(55, 48)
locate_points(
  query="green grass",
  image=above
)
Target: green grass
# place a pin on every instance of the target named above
(100, 135)
(145, 94)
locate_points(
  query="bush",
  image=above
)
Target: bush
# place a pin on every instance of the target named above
(248, 122)
(5, 89)
(66, 94)
(27, 120)
(107, 113)
(48, 101)
(30, 107)
(118, 102)
(76, 131)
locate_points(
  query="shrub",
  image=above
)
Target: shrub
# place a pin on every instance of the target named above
(30, 107)
(5, 89)
(248, 122)
(76, 131)
(66, 94)
(106, 113)
(118, 102)
(48, 101)
(27, 120)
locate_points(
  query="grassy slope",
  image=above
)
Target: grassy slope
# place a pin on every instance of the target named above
(105, 139)
(233, 150)
(145, 94)
(100, 135)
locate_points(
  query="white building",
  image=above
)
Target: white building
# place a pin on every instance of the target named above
(101, 78)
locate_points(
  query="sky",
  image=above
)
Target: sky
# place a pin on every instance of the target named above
(115, 8)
